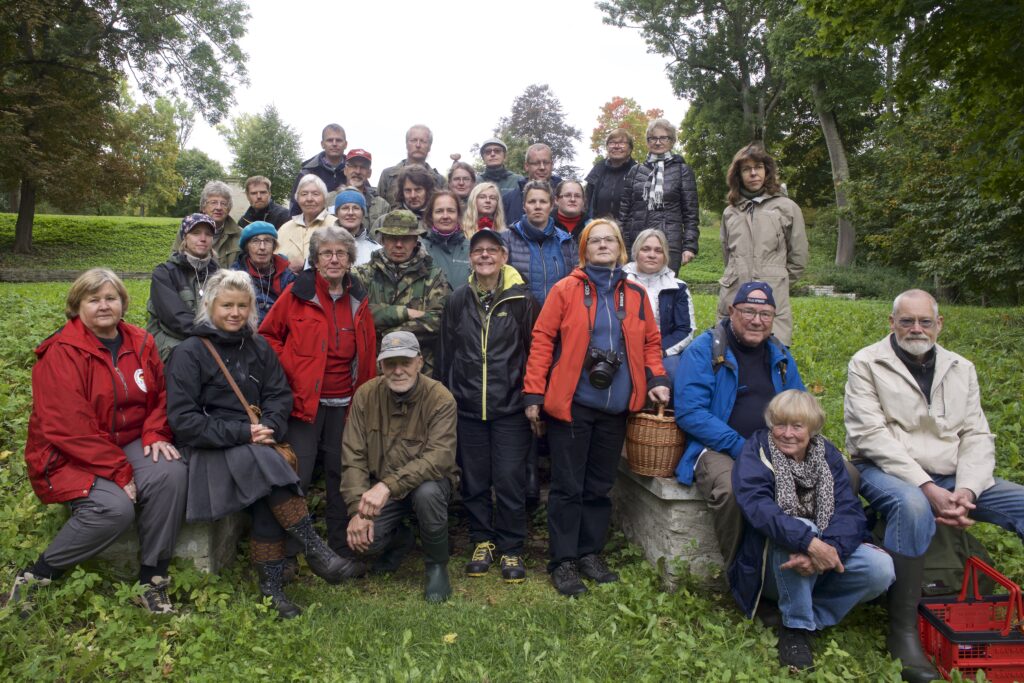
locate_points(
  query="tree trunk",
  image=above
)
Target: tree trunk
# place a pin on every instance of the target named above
(26, 214)
(840, 173)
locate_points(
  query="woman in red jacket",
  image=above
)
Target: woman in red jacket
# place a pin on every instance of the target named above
(323, 333)
(609, 363)
(98, 440)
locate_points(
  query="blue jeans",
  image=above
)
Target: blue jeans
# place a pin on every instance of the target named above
(820, 600)
(909, 520)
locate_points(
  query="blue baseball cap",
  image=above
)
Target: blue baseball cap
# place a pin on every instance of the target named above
(762, 294)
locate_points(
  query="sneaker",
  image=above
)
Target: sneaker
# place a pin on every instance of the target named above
(23, 591)
(593, 567)
(795, 648)
(481, 560)
(155, 599)
(512, 569)
(566, 580)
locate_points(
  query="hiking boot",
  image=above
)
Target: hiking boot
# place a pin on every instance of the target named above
(512, 569)
(566, 580)
(323, 561)
(795, 648)
(155, 599)
(272, 586)
(593, 567)
(23, 591)
(481, 560)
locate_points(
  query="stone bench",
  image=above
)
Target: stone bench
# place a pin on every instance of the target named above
(668, 521)
(210, 545)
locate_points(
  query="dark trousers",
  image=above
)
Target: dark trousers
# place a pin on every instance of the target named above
(321, 442)
(584, 460)
(494, 454)
(265, 526)
(428, 501)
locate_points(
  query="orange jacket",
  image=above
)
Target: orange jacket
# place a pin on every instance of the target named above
(564, 324)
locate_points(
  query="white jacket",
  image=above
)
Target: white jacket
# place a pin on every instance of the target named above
(889, 422)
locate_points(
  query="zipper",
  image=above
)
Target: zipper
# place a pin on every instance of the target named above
(46, 468)
(485, 333)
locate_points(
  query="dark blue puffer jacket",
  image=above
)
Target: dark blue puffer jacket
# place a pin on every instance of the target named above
(542, 257)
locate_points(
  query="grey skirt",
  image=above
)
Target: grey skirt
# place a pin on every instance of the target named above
(223, 481)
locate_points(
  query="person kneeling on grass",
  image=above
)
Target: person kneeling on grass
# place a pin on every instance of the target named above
(98, 440)
(804, 528)
(397, 458)
(233, 464)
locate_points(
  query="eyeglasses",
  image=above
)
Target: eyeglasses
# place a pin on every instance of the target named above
(541, 162)
(571, 195)
(751, 313)
(331, 255)
(262, 241)
(601, 240)
(923, 323)
(492, 150)
(490, 251)
(751, 169)
(658, 138)
(216, 203)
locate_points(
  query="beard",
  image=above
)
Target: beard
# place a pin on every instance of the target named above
(916, 346)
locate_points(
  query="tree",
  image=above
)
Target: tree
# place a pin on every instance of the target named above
(263, 144)
(151, 146)
(196, 168)
(623, 112)
(62, 64)
(537, 116)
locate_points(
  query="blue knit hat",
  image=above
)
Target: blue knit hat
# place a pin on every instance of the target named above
(350, 197)
(189, 222)
(256, 228)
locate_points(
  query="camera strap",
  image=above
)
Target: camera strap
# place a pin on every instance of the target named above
(620, 308)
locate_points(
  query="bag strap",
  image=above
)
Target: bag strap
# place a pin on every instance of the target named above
(231, 380)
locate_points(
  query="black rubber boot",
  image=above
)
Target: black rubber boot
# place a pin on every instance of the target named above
(391, 559)
(272, 586)
(903, 642)
(324, 562)
(437, 587)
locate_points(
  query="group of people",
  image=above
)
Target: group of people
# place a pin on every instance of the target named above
(430, 333)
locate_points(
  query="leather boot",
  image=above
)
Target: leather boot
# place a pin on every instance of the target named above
(437, 588)
(324, 562)
(903, 642)
(272, 586)
(391, 559)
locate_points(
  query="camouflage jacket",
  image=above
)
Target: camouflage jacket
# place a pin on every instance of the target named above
(393, 289)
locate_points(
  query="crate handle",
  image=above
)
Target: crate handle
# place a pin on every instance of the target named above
(975, 566)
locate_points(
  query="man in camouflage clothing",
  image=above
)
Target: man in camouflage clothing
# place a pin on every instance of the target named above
(405, 289)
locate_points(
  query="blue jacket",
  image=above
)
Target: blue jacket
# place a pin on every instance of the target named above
(705, 392)
(675, 313)
(753, 484)
(512, 201)
(544, 263)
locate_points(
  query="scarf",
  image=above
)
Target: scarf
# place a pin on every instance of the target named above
(444, 236)
(750, 195)
(484, 222)
(804, 489)
(654, 283)
(495, 175)
(654, 191)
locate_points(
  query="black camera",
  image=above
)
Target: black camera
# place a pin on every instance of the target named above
(602, 365)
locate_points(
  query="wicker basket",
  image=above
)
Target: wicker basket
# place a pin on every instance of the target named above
(654, 443)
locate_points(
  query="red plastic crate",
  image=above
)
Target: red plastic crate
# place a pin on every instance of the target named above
(983, 632)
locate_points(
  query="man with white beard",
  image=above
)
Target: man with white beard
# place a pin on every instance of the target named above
(916, 431)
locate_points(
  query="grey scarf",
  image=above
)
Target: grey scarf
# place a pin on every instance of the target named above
(654, 190)
(804, 489)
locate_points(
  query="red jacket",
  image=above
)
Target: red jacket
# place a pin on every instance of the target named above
(84, 409)
(563, 322)
(297, 329)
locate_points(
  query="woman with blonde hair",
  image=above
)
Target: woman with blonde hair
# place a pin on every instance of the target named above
(484, 210)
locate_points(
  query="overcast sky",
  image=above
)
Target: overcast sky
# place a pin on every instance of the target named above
(377, 67)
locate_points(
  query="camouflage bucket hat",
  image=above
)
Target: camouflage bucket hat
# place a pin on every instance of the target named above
(400, 223)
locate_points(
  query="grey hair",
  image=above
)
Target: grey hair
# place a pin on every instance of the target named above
(420, 126)
(225, 280)
(664, 124)
(911, 294)
(536, 147)
(330, 234)
(644, 236)
(795, 406)
(215, 188)
(315, 180)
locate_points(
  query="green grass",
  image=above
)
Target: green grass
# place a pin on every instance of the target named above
(381, 630)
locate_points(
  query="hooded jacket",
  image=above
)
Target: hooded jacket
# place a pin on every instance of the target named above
(174, 294)
(541, 263)
(85, 409)
(561, 337)
(482, 353)
(677, 217)
(297, 329)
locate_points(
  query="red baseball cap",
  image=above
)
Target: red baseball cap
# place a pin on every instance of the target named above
(361, 154)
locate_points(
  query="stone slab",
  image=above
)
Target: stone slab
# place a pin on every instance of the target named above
(668, 521)
(210, 545)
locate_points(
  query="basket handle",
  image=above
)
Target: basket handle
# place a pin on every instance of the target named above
(661, 410)
(972, 570)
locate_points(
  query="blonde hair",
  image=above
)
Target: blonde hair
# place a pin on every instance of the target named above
(616, 231)
(90, 282)
(228, 281)
(645, 235)
(795, 406)
(471, 215)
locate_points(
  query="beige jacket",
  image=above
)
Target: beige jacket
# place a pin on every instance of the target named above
(889, 422)
(401, 443)
(763, 239)
(294, 235)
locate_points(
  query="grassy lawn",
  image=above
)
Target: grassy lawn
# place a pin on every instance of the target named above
(380, 629)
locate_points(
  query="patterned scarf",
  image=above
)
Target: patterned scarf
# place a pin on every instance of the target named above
(804, 489)
(654, 191)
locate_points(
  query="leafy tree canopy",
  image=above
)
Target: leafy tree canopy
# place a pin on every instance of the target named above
(623, 112)
(263, 144)
(537, 116)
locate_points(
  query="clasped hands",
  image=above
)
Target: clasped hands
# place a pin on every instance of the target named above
(819, 558)
(360, 528)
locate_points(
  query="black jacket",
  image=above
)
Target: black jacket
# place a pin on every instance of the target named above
(604, 188)
(677, 218)
(482, 355)
(202, 409)
(275, 214)
(174, 295)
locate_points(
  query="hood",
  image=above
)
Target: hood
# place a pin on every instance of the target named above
(74, 333)
(205, 329)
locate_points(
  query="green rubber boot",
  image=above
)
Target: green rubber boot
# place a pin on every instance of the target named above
(438, 587)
